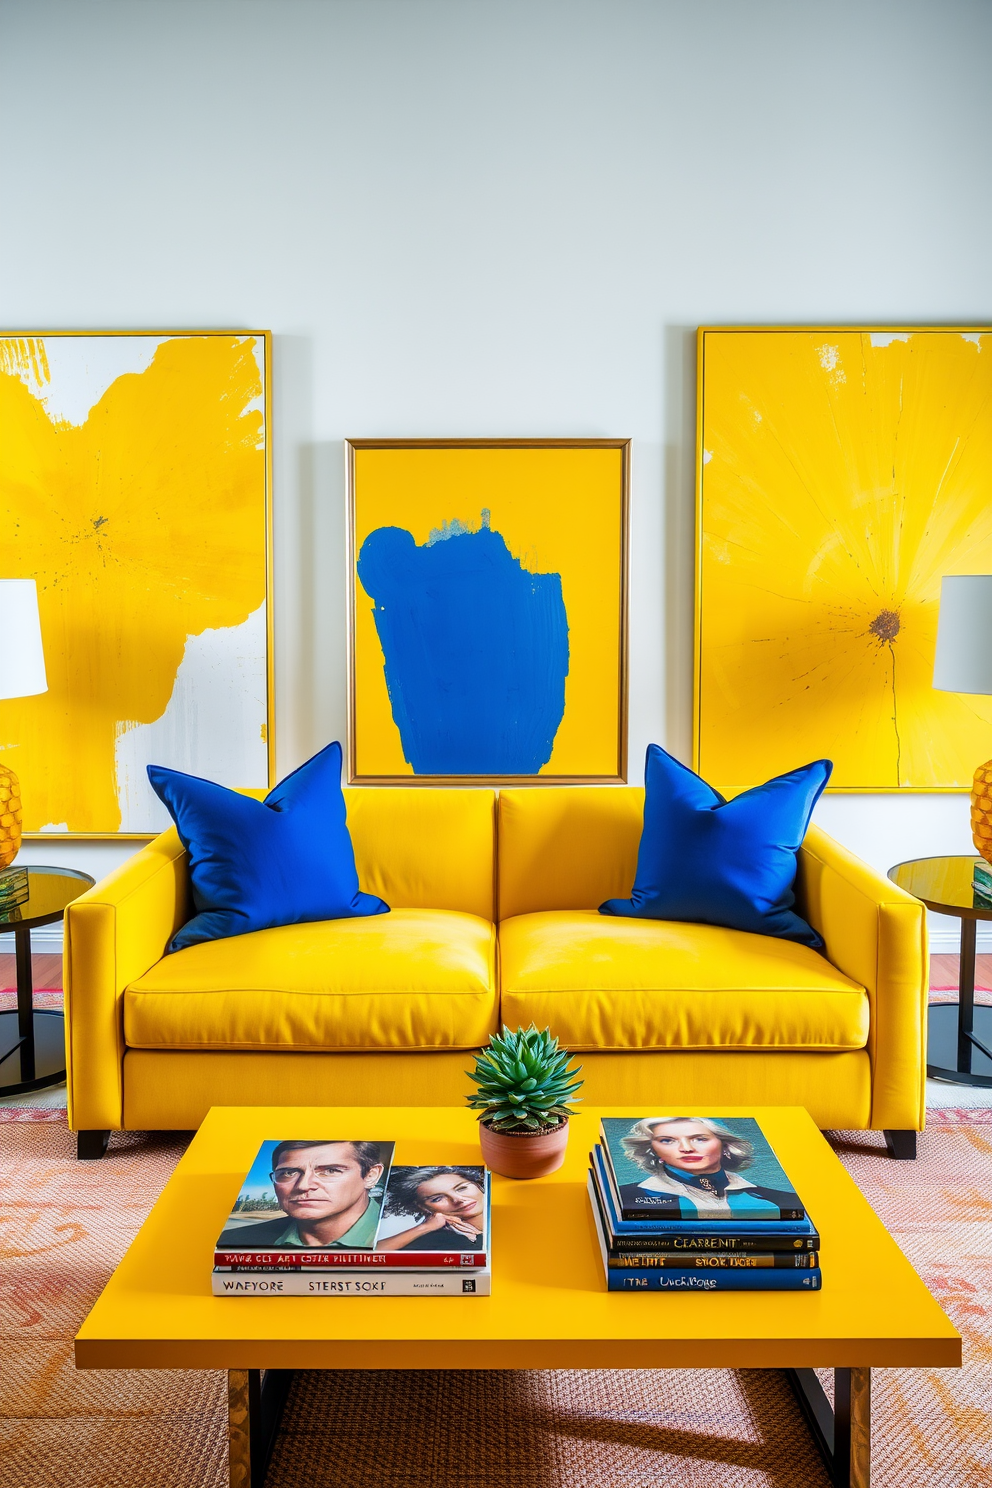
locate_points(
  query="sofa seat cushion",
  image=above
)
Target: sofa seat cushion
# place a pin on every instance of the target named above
(412, 979)
(602, 983)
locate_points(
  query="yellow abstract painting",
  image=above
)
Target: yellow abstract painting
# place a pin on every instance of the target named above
(841, 474)
(488, 610)
(133, 488)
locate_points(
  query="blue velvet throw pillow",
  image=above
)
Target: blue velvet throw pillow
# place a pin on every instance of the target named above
(256, 864)
(719, 862)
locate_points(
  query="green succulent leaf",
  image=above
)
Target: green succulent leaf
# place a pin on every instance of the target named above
(523, 1080)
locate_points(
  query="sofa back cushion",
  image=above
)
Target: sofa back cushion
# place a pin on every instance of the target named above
(564, 847)
(425, 847)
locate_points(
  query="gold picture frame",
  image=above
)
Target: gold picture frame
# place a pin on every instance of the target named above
(547, 520)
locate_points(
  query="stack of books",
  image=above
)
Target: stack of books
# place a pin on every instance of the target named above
(339, 1218)
(15, 889)
(981, 882)
(687, 1203)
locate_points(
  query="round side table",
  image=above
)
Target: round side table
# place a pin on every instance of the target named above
(959, 1034)
(36, 1035)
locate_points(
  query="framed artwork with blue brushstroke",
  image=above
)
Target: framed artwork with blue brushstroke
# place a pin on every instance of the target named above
(488, 595)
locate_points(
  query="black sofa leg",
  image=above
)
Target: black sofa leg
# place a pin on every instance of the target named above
(91, 1145)
(901, 1145)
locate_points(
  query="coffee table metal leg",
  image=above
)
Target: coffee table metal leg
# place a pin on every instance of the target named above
(860, 1438)
(238, 1429)
(255, 1398)
(842, 1434)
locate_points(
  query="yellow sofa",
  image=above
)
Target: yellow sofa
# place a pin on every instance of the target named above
(494, 920)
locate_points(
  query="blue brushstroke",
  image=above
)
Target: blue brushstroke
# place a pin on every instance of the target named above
(454, 528)
(475, 647)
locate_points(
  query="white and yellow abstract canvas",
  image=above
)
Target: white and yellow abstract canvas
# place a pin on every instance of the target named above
(133, 489)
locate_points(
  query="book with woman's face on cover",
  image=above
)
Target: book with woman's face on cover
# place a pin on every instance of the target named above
(435, 1209)
(344, 1203)
(695, 1167)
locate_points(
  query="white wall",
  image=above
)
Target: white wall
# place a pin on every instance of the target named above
(496, 217)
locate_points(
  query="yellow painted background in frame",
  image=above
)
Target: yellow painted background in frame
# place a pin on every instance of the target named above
(560, 510)
(133, 487)
(842, 473)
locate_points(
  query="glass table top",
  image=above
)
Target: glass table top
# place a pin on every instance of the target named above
(51, 889)
(944, 884)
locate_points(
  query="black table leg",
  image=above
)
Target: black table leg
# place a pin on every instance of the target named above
(25, 1002)
(842, 1434)
(34, 1058)
(255, 1400)
(960, 1035)
(966, 994)
(32, 1040)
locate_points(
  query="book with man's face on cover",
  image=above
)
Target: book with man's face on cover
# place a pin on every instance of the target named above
(336, 1203)
(696, 1168)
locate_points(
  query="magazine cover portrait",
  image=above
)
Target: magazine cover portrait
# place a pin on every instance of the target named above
(435, 1208)
(310, 1194)
(692, 1165)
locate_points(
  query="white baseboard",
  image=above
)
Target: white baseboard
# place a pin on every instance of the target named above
(47, 940)
(948, 942)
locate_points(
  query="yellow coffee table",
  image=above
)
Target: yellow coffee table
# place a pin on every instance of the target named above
(549, 1308)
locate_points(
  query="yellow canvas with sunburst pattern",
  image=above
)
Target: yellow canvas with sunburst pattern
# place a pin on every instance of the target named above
(841, 474)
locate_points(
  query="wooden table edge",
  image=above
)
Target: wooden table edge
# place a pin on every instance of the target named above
(742, 1353)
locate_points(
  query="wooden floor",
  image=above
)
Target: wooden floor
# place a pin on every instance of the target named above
(47, 971)
(944, 972)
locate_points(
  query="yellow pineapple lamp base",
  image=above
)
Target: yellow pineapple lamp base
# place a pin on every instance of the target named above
(981, 810)
(10, 815)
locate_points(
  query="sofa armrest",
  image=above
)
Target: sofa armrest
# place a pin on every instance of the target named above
(875, 933)
(114, 933)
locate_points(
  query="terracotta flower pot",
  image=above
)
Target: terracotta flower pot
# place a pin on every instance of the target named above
(524, 1155)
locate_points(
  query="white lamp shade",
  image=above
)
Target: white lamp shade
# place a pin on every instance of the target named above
(964, 635)
(22, 661)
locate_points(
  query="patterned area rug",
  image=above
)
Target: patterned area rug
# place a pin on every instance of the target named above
(63, 1227)
(42, 999)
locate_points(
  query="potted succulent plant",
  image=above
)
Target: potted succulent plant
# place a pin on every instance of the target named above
(523, 1082)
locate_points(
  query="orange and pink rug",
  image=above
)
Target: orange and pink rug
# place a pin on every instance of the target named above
(64, 1226)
